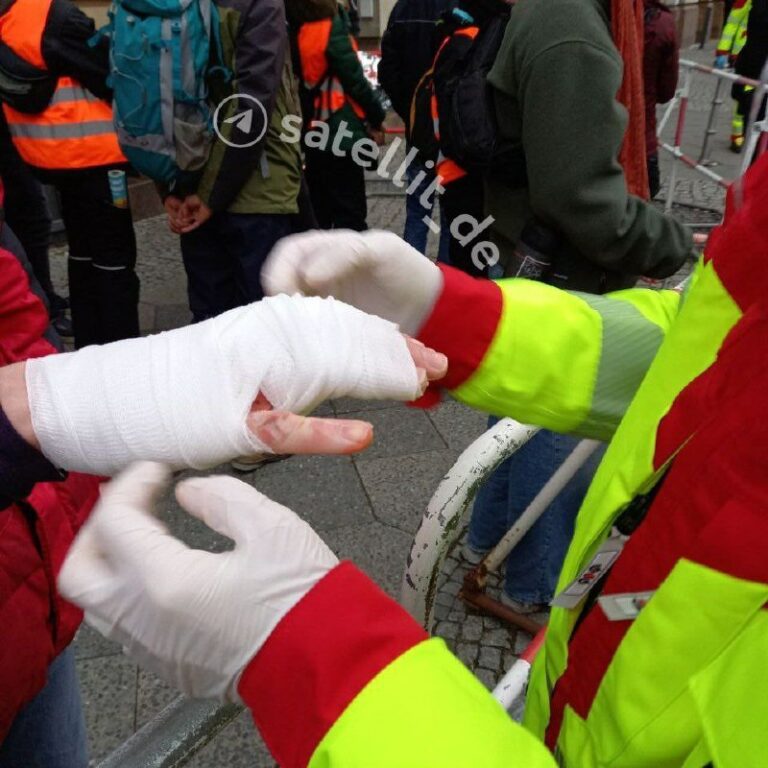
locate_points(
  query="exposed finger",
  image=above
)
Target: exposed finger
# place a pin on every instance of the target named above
(434, 364)
(287, 432)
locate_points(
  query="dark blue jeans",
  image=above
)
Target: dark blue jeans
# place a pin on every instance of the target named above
(416, 231)
(534, 564)
(224, 257)
(50, 731)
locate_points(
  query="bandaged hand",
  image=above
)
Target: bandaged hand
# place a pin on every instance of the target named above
(375, 271)
(194, 397)
(195, 618)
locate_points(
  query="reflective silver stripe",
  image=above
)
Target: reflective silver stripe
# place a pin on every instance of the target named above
(109, 269)
(61, 130)
(79, 258)
(72, 94)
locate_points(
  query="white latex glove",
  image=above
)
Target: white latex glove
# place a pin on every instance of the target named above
(375, 271)
(183, 397)
(195, 618)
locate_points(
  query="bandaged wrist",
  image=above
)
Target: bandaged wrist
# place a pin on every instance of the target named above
(182, 397)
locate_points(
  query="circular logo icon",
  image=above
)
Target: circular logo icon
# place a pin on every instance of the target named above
(244, 121)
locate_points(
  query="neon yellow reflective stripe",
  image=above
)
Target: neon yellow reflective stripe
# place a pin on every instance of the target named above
(634, 323)
(426, 710)
(541, 365)
(689, 348)
(735, 728)
(568, 361)
(643, 712)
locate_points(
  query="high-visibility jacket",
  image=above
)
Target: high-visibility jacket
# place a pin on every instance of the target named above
(330, 96)
(447, 169)
(734, 35)
(679, 384)
(76, 129)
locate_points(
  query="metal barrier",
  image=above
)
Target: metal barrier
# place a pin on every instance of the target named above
(172, 737)
(757, 130)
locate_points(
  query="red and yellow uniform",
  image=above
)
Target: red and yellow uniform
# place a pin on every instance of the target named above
(677, 383)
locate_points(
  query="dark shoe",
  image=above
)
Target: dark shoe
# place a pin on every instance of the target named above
(258, 460)
(737, 144)
(58, 304)
(63, 326)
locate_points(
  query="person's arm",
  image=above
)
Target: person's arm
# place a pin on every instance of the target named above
(736, 17)
(391, 67)
(335, 673)
(261, 46)
(566, 361)
(344, 64)
(668, 72)
(572, 130)
(67, 49)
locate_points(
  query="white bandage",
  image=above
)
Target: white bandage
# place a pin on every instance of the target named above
(182, 397)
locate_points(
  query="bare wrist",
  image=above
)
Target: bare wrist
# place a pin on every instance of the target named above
(15, 402)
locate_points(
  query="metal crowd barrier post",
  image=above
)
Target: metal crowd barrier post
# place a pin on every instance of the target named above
(171, 738)
(757, 136)
(441, 524)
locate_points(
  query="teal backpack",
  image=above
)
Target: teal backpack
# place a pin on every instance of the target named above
(161, 54)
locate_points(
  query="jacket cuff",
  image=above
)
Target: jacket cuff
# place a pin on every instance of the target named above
(318, 659)
(463, 323)
(21, 465)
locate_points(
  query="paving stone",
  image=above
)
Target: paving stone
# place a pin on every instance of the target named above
(490, 658)
(108, 687)
(441, 612)
(89, 644)
(375, 548)
(170, 316)
(497, 638)
(347, 405)
(152, 695)
(448, 630)
(399, 432)
(458, 424)
(400, 488)
(326, 491)
(467, 652)
(487, 677)
(472, 628)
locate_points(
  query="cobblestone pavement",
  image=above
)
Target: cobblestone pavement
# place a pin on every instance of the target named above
(367, 507)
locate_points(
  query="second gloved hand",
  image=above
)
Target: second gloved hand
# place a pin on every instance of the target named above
(184, 397)
(195, 618)
(375, 271)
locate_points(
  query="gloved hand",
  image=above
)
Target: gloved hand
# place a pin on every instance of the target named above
(375, 271)
(187, 397)
(193, 617)
(721, 61)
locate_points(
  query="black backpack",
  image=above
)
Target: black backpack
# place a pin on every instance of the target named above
(468, 129)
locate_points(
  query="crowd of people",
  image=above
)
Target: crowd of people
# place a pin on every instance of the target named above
(652, 561)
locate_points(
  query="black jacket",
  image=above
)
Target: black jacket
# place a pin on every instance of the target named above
(407, 49)
(67, 52)
(752, 57)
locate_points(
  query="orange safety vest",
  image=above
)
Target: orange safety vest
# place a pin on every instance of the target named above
(330, 97)
(448, 170)
(76, 129)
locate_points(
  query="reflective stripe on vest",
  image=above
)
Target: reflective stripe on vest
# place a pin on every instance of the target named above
(22, 27)
(75, 131)
(448, 170)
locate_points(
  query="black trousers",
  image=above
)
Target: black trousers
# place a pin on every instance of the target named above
(337, 190)
(464, 198)
(103, 285)
(26, 209)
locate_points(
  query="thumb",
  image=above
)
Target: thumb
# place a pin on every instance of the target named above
(229, 506)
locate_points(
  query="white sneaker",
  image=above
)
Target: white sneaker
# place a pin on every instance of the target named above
(251, 463)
